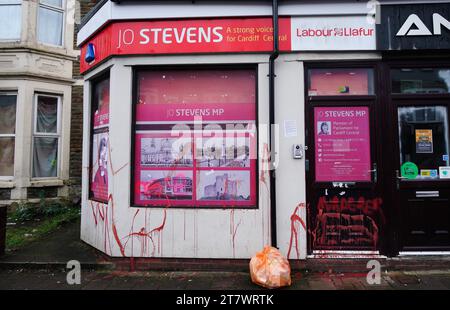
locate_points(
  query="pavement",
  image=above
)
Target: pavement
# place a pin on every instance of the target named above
(54, 251)
(42, 265)
(33, 279)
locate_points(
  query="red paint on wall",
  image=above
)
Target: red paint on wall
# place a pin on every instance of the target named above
(296, 221)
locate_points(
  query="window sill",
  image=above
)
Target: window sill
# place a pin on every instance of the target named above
(7, 184)
(46, 183)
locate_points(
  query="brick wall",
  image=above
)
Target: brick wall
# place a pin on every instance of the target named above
(42, 192)
(76, 140)
(76, 125)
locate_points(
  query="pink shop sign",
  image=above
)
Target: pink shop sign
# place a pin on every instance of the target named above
(342, 144)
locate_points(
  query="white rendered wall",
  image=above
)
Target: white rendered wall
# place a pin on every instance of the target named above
(201, 233)
(291, 174)
(205, 233)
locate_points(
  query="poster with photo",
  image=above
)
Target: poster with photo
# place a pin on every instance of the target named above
(99, 173)
(195, 138)
(230, 151)
(424, 141)
(165, 185)
(224, 187)
(342, 144)
(165, 151)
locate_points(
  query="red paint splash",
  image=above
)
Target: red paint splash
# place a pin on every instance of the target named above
(264, 179)
(295, 221)
(347, 222)
(113, 226)
(233, 231)
(100, 212)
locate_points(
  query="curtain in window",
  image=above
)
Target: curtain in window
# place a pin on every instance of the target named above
(7, 127)
(7, 114)
(45, 157)
(10, 21)
(6, 156)
(47, 115)
(57, 3)
(50, 26)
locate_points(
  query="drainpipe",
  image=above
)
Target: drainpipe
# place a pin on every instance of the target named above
(273, 56)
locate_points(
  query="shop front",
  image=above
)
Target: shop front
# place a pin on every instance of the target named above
(191, 151)
(417, 97)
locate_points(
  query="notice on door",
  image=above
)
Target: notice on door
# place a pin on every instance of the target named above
(342, 144)
(424, 141)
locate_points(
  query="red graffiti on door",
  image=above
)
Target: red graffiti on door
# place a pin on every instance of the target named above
(344, 222)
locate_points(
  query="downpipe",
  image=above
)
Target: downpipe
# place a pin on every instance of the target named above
(273, 56)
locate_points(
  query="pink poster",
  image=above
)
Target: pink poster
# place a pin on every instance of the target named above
(338, 82)
(196, 138)
(342, 144)
(101, 103)
(99, 176)
(197, 170)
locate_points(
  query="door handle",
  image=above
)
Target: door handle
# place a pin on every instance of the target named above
(398, 178)
(375, 172)
(397, 173)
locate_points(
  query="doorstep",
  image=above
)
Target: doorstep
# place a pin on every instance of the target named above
(315, 265)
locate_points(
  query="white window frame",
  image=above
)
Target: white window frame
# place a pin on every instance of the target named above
(47, 134)
(13, 3)
(9, 135)
(62, 10)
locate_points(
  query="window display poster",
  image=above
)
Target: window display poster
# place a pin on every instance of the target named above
(223, 185)
(101, 104)
(99, 174)
(342, 144)
(223, 171)
(163, 150)
(190, 95)
(165, 185)
(195, 139)
(424, 141)
(337, 82)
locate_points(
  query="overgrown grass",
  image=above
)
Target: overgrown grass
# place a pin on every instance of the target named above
(32, 221)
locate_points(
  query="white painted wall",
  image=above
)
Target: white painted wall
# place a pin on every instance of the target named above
(290, 173)
(203, 233)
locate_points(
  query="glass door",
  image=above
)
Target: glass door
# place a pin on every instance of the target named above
(343, 192)
(421, 105)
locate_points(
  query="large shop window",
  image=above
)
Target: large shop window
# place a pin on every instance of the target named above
(10, 19)
(51, 22)
(46, 136)
(195, 138)
(340, 82)
(98, 185)
(420, 81)
(7, 133)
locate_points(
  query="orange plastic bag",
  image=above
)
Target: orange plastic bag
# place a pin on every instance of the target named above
(270, 269)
